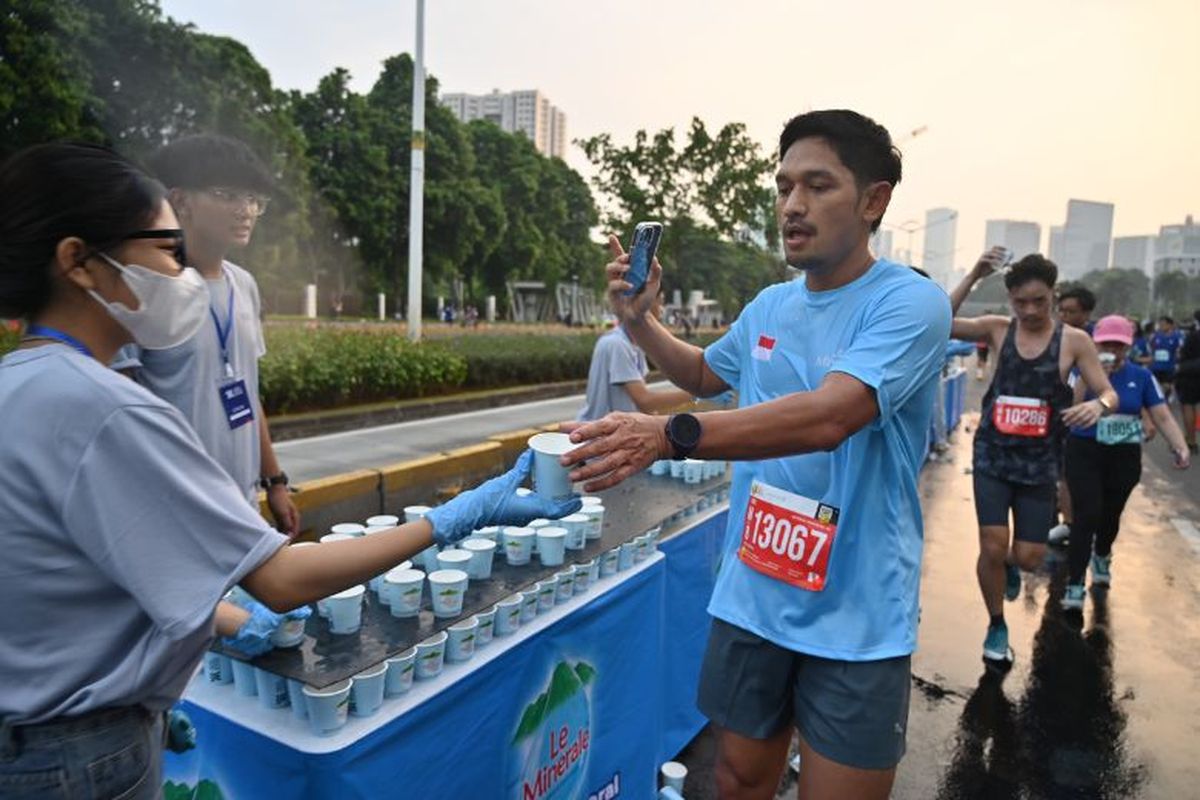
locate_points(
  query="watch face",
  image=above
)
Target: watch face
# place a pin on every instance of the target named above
(685, 430)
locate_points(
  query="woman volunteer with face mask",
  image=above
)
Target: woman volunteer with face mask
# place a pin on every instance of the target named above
(119, 533)
(1104, 461)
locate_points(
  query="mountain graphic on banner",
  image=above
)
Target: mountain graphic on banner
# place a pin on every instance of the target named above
(553, 739)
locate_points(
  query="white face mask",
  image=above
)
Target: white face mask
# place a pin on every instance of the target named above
(1108, 360)
(170, 310)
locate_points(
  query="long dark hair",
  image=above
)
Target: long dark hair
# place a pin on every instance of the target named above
(53, 191)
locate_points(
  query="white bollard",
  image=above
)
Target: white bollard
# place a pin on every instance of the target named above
(310, 301)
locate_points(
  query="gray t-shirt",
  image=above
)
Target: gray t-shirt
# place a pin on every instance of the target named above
(188, 377)
(615, 361)
(119, 534)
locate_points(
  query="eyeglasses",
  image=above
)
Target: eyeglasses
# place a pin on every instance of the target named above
(179, 253)
(255, 202)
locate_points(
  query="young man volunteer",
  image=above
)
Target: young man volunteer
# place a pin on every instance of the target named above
(815, 606)
(219, 188)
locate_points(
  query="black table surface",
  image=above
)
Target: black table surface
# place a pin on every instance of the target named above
(323, 658)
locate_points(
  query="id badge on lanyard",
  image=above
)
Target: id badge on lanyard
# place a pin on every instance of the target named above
(788, 537)
(235, 399)
(1021, 416)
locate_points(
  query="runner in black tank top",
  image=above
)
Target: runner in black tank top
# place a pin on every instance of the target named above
(1024, 418)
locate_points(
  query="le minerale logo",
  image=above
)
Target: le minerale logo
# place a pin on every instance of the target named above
(552, 740)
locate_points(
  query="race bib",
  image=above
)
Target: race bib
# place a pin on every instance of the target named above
(1119, 429)
(235, 400)
(788, 537)
(1021, 416)
(1162, 356)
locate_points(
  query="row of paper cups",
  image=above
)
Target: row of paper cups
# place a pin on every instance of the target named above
(690, 470)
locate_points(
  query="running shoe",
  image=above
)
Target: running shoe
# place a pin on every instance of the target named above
(1073, 597)
(995, 644)
(1059, 534)
(1101, 574)
(1012, 582)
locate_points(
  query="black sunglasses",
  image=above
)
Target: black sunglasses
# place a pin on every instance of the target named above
(179, 253)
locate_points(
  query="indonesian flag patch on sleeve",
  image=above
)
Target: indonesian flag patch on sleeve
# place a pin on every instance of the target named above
(762, 351)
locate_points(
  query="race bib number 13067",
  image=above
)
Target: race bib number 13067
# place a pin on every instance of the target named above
(788, 537)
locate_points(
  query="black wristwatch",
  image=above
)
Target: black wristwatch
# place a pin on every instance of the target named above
(683, 432)
(275, 480)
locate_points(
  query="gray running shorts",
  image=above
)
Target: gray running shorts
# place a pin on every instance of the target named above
(852, 712)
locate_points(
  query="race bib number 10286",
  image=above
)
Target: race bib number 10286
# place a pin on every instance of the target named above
(788, 537)
(1021, 416)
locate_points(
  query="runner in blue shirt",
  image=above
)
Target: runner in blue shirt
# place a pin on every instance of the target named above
(1104, 461)
(1164, 353)
(815, 606)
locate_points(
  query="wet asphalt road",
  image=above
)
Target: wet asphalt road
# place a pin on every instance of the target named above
(1106, 705)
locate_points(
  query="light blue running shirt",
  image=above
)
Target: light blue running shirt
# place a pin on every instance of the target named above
(888, 329)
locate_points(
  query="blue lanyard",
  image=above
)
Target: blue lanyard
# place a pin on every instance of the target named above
(58, 336)
(223, 331)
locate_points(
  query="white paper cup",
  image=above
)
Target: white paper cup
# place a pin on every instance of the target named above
(547, 592)
(349, 528)
(366, 693)
(673, 774)
(518, 545)
(538, 524)
(577, 528)
(218, 668)
(661, 467)
(566, 585)
(593, 571)
(414, 513)
(448, 587)
(595, 515)
(345, 610)
(272, 689)
(461, 639)
(711, 470)
(400, 673)
(453, 558)
(583, 576)
(549, 477)
(402, 589)
(693, 471)
(290, 633)
(523, 492)
(608, 562)
(243, 678)
(482, 552)
(427, 559)
(490, 532)
(328, 707)
(676, 469)
(338, 537)
(383, 521)
(296, 699)
(552, 544)
(529, 605)
(592, 500)
(625, 559)
(508, 615)
(431, 655)
(487, 627)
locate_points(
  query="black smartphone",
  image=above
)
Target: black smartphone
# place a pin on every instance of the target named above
(641, 255)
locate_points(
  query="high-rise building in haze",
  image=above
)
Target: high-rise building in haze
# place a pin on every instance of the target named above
(1134, 252)
(1177, 248)
(881, 244)
(938, 256)
(1087, 238)
(1021, 238)
(528, 112)
(1056, 246)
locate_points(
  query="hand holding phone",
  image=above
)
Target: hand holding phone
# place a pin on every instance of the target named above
(642, 250)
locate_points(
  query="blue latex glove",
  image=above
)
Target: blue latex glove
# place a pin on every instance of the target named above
(181, 733)
(254, 637)
(496, 503)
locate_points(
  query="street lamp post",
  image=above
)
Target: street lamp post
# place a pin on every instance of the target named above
(416, 197)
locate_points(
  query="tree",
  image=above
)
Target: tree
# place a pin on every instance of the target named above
(1118, 291)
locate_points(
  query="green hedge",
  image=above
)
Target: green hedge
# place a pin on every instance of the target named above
(322, 367)
(8, 339)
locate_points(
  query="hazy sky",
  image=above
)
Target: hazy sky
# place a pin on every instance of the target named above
(1027, 102)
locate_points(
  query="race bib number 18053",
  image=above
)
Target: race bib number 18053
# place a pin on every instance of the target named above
(788, 537)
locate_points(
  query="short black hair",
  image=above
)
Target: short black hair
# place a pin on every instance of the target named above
(1033, 267)
(1167, 319)
(50, 192)
(862, 144)
(207, 160)
(1087, 300)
